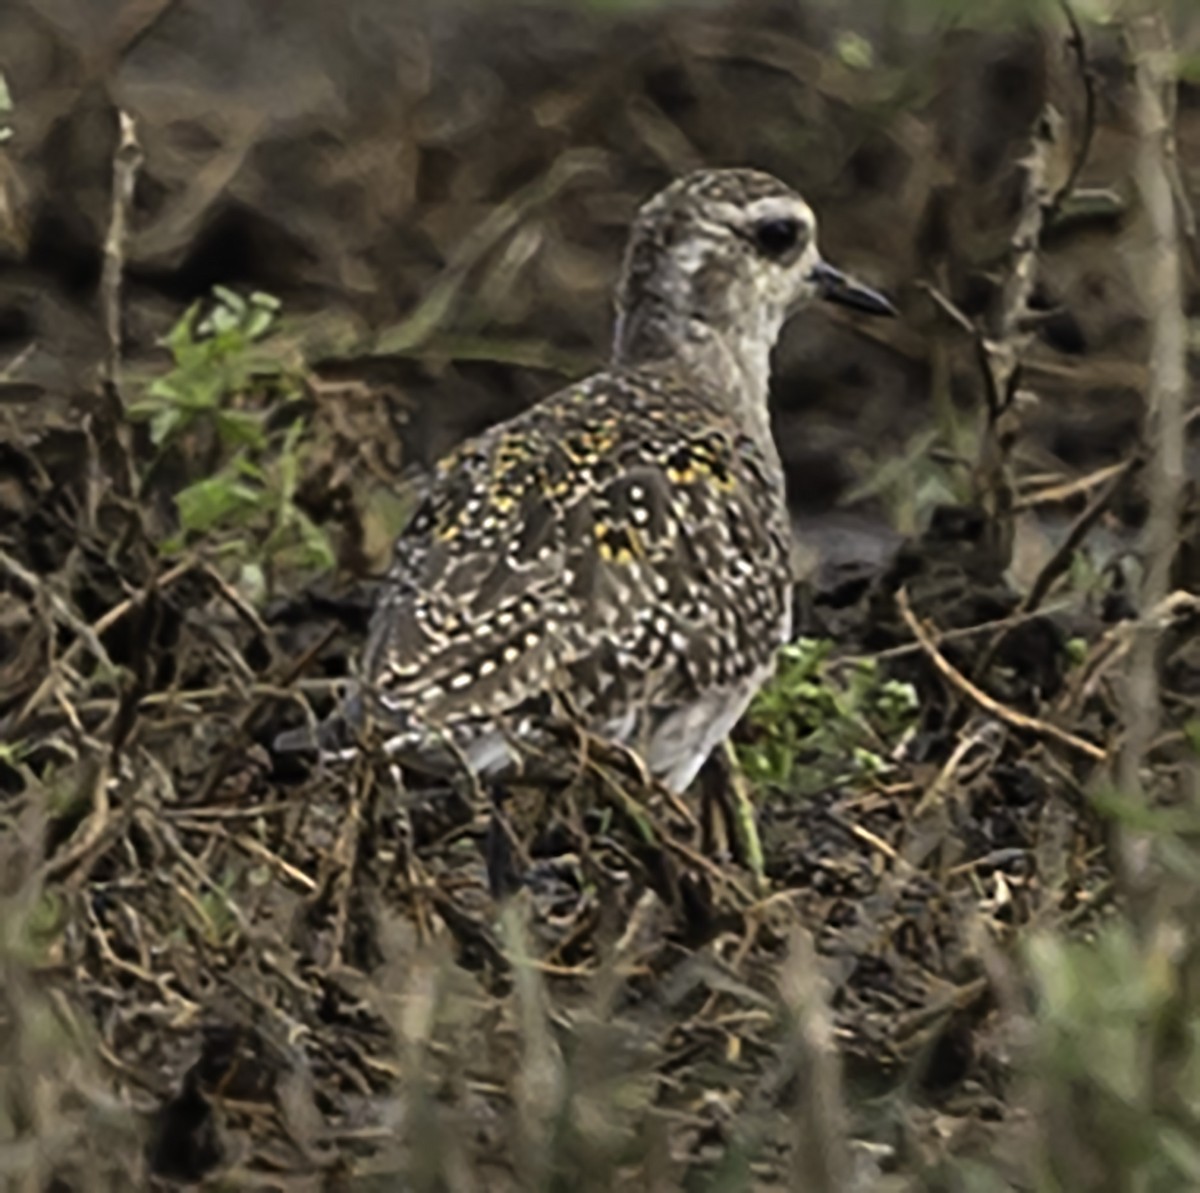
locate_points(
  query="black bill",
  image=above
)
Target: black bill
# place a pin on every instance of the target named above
(835, 286)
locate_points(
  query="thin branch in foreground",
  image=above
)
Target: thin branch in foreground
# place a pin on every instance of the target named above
(821, 1156)
(1160, 282)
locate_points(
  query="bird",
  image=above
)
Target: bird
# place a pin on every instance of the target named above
(622, 547)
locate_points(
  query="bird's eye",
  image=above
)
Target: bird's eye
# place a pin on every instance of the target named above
(777, 236)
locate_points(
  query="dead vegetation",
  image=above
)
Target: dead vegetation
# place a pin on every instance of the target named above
(975, 774)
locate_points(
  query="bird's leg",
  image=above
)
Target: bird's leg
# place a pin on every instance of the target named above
(516, 827)
(714, 837)
(502, 852)
(724, 785)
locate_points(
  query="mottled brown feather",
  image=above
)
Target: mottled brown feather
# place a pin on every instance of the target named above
(617, 520)
(624, 544)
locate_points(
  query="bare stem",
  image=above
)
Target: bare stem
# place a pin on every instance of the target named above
(821, 1159)
(126, 163)
(1161, 285)
(110, 454)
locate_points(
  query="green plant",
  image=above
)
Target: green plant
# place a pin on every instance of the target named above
(820, 721)
(216, 362)
(218, 404)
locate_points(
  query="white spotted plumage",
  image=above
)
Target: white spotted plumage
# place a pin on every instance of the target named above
(624, 544)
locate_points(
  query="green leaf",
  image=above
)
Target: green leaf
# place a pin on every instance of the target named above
(196, 389)
(260, 298)
(183, 333)
(252, 581)
(247, 468)
(165, 389)
(854, 50)
(316, 552)
(144, 409)
(240, 428)
(213, 500)
(257, 324)
(164, 424)
(289, 461)
(229, 302)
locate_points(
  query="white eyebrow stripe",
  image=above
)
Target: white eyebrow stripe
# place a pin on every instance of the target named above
(780, 207)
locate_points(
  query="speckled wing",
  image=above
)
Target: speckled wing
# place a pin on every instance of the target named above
(617, 542)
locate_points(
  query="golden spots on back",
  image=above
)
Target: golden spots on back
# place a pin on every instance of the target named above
(679, 468)
(513, 469)
(617, 544)
(587, 441)
(704, 458)
(515, 449)
(624, 524)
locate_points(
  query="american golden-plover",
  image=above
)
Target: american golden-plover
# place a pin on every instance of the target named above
(623, 544)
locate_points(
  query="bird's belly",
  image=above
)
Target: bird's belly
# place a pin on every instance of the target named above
(671, 726)
(684, 737)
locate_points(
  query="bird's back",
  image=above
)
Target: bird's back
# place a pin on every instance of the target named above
(623, 544)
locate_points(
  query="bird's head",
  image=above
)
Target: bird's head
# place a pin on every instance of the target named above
(732, 251)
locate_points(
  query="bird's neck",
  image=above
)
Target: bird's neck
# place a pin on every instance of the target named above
(730, 366)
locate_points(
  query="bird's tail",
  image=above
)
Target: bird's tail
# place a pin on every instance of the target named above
(334, 737)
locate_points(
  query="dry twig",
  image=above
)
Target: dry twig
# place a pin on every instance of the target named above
(1060, 560)
(1017, 719)
(112, 428)
(126, 163)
